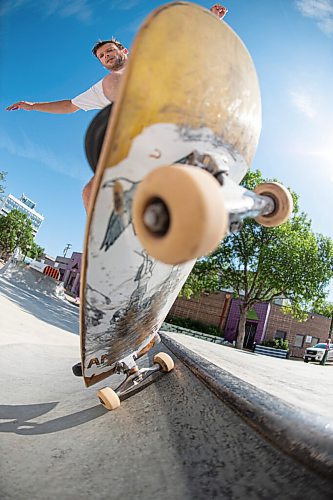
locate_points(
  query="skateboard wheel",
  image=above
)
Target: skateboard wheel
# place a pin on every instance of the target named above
(165, 361)
(109, 398)
(282, 200)
(193, 218)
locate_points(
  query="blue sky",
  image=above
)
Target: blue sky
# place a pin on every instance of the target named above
(46, 55)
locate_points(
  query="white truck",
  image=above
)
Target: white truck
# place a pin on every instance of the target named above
(316, 352)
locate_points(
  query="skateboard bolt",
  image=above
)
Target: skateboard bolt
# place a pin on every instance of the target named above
(156, 217)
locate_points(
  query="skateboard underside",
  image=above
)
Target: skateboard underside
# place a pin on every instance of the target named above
(158, 120)
(128, 293)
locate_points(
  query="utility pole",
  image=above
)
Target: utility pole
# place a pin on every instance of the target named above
(67, 247)
(328, 344)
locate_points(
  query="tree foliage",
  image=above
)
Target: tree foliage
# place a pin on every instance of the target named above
(324, 308)
(15, 231)
(2, 186)
(35, 251)
(262, 264)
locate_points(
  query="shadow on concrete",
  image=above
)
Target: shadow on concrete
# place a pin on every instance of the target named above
(177, 439)
(19, 417)
(52, 310)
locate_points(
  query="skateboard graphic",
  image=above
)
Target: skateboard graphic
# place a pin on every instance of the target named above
(180, 138)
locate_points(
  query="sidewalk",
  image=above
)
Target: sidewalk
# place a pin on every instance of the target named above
(305, 385)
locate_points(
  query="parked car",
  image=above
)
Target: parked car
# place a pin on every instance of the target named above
(316, 352)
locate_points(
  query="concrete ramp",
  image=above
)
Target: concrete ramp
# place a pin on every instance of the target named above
(197, 433)
(27, 278)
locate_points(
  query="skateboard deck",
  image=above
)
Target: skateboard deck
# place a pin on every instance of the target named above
(190, 85)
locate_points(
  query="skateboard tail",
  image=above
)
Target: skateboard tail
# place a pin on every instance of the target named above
(195, 81)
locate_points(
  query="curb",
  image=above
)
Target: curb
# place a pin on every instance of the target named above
(302, 435)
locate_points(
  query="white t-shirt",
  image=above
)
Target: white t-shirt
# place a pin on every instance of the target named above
(92, 98)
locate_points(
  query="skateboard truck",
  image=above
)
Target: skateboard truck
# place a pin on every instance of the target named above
(266, 201)
(135, 376)
(271, 208)
(181, 213)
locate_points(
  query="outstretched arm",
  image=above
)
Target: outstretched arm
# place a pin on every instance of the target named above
(57, 107)
(219, 10)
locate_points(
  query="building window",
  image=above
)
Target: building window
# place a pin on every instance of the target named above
(280, 335)
(314, 341)
(299, 340)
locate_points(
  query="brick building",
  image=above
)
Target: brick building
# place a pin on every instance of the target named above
(210, 309)
(72, 274)
(256, 323)
(299, 335)
(264, 322)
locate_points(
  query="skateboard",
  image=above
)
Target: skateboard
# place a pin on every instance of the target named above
(180, 138)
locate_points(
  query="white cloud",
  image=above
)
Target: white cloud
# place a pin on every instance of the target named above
(7, 6)
(319, 10)
(79, 9)
(326, 26)
(303, 102)
(25, 148)
(124, 5)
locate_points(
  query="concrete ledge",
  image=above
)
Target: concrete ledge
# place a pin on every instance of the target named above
(167, 327)
(304, 436)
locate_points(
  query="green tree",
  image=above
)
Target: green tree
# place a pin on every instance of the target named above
(15, 231)
(324, 308)
(2, 186)
(262, 264)
(35, 251)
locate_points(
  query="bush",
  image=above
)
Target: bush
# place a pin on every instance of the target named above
(276, 344)
(192, 324)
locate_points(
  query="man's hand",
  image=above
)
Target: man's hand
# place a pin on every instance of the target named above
(219, 10)
(28, 106)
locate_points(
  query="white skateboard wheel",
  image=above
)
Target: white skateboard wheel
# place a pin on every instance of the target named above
(165, 361)
(109, 398)
(196, 217)
(282, 200)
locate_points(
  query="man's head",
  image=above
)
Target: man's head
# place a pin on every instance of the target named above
(111, 53)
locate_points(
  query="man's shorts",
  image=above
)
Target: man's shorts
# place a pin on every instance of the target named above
(95, 136)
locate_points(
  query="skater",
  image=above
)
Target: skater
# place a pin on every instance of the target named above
(113, 56)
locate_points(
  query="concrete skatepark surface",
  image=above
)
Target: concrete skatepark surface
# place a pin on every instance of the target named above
(175, 439)
(30, 279)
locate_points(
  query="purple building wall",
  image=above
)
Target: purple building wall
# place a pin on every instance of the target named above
(72, 274)
(231, 326)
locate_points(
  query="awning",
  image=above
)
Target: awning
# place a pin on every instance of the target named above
(252, 315)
